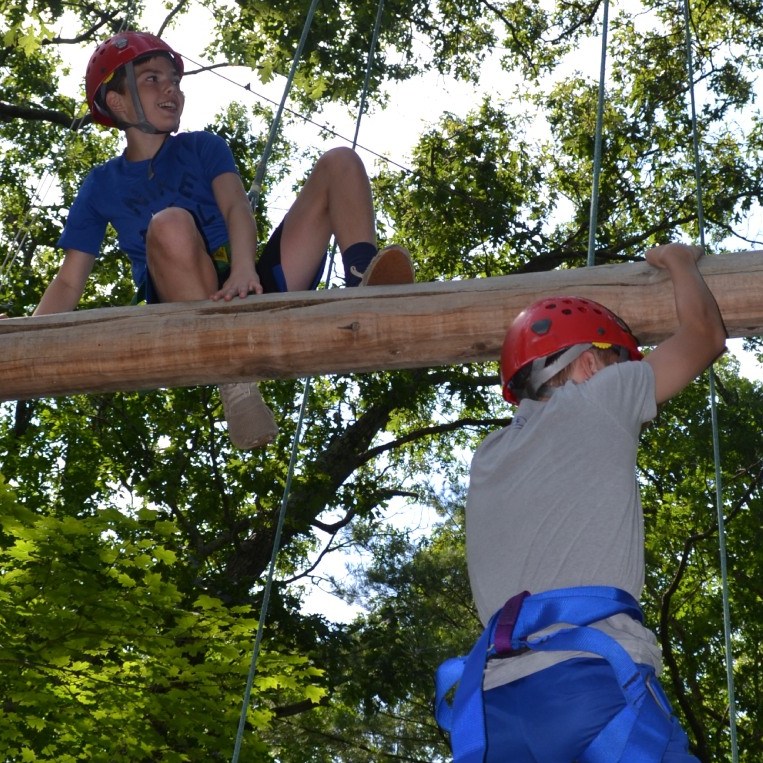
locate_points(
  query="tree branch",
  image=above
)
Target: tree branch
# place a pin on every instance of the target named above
(9, 112)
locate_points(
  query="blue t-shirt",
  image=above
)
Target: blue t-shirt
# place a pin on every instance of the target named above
(127, 194)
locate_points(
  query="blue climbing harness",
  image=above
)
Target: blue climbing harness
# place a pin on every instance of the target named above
(508, 633)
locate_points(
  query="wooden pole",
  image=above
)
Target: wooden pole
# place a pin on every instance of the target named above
(280, 336)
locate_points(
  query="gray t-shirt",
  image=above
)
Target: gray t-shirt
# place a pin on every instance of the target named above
(553, 503)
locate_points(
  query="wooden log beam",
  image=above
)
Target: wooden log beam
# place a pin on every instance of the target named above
(338, 330)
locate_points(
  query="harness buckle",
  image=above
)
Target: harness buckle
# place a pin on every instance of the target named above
(503, 638)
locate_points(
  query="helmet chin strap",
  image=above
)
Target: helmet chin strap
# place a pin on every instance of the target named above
(142, 124)
(541, 373)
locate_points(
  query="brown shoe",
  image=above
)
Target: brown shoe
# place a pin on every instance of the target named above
(390, 266)
(250, 422)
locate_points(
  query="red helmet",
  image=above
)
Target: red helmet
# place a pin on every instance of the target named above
(555, 323)
(110, 55)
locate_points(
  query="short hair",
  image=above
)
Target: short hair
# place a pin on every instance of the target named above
(521, 383)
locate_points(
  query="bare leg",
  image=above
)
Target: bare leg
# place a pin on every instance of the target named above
(178, 261)
(182, 271)
(335, 200)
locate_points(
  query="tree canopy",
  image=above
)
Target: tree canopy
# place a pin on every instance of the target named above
(134, 540)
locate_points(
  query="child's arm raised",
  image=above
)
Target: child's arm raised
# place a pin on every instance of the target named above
(701, 335)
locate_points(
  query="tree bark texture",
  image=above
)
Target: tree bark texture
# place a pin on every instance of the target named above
(299, 334)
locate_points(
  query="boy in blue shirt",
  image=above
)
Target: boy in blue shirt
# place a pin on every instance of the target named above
(183, 217)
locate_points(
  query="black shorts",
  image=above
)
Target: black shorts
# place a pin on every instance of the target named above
(268, 267)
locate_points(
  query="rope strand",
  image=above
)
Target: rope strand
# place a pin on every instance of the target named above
(253, 198)
(593, 219)
(713, 411)
(305, 393)
(254, 191)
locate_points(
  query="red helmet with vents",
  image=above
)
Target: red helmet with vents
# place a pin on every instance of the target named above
(110, 55)
(555, 323)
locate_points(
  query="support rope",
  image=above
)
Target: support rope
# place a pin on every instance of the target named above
(256, 186)
(369, 66)
(254, 191)
(712, 386)
(361, 110)
(271, 573)
(254, 195)
(713, 409)
(593, 219)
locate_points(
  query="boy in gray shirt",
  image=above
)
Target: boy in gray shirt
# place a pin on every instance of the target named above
(554, 510)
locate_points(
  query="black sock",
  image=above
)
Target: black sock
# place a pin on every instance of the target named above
(356, 258)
